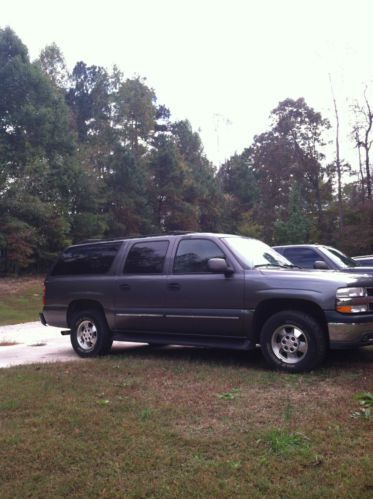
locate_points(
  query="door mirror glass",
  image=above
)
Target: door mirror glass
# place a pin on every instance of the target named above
(217, 265)
(320, 265)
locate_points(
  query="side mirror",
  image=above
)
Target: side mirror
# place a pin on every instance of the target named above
(320, 265)
(219, 266)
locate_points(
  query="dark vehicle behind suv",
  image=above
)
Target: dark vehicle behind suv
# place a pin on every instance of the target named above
(319, 256)
(211, 290)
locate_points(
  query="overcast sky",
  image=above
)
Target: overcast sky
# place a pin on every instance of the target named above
(224, 65)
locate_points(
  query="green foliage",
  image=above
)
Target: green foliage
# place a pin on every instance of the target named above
(239, 185)
(93, 154)
(37, 168)
(259, 183)
(19, 242)
(295, 228)
(285, 443)
(87, 225)
(357, 235)
(365, 400)
(89, 100)
(231, 395)
(135, 113)
(51, 61)
(247, 226)
(128, 209)
(145, 414)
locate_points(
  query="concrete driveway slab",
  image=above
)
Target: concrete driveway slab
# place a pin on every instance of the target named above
(33, 343)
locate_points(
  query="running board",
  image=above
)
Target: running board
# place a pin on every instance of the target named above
(176, 339)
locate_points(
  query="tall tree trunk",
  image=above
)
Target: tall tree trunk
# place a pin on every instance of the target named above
(362, 179)
(338, 160)
(319, 209)
(367, 171)
(367, 144)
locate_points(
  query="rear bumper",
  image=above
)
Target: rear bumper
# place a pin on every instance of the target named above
(53, 316)
(350, 334)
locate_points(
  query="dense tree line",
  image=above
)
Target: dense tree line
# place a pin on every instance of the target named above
(92, 154)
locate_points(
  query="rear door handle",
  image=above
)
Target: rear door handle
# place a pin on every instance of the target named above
(174, 286)
(125, 287)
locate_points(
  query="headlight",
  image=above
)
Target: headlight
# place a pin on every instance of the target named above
(351, 300)
(346, 293)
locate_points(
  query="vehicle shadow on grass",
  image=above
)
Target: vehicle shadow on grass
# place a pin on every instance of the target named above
(348, 360)
(174, 353)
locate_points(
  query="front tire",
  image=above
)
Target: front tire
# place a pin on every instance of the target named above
(90, 335)
(293, 341)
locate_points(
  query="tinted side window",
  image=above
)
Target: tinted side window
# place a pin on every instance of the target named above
(146, 258)
(304, 257)
(192, 256)
(87, 259)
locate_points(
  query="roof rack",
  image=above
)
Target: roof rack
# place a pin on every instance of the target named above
(138, 236)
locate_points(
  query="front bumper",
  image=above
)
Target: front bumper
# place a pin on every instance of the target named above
(347, 332)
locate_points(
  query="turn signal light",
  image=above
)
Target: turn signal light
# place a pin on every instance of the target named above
(352, 309)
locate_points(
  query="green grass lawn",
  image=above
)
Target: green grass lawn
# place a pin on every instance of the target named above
(20, 299)
(188, 423)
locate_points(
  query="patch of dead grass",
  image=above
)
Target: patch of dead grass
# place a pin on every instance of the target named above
(13, 285)
(8, 343)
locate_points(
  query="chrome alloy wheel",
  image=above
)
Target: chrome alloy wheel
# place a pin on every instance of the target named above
(86, 335)
(289, 344)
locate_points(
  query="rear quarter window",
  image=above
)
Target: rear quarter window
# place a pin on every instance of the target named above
(146, 258)
(86, 260)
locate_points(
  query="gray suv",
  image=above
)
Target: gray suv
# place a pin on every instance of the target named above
(210, 290)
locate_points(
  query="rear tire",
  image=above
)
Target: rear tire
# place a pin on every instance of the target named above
(90, 335)
(293, 341)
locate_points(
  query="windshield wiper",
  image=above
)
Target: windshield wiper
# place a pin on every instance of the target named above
(281, 265)
(268, 265)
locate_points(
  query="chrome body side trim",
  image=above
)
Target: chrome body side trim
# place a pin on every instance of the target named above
(169, 316)
(140, 315)
(201, 317)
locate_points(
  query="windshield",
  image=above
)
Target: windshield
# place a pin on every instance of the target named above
(254, 253)
(339, 258)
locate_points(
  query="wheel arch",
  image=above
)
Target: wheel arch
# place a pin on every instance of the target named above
(78, 305)
(267, 308)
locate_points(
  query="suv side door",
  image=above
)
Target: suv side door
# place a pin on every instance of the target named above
(199, 301)
(141, 287)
